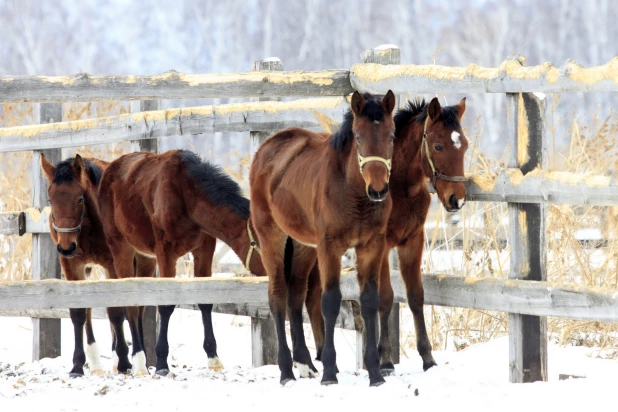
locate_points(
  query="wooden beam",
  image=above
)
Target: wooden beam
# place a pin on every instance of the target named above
(236, 117)
(505, 295)
(527, 334)
(45, 264)
(172, 85)
(12, 223)
(510, 77)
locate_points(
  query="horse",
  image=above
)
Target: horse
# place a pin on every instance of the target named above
(329, 193)
(162, 206)
(75, 227)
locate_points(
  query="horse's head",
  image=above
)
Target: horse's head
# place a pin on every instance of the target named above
(68, 183)
(373, 128)
(442, 152)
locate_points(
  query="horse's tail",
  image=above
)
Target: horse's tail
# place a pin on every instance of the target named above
(287, 259)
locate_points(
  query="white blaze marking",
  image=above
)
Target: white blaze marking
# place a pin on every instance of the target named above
(215, 364)
(139, 364)
(460, 202)
(94, 358)
(455, 139)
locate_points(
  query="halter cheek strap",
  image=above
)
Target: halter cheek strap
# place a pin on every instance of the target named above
(70, 229)
(252, 246)
(362, 160)
(435, 174)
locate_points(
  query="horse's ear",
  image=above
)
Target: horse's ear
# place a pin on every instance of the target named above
(78, 166)
(48, 168)
(388, 102)
(461, 108)
(358, 102)
(434, 110)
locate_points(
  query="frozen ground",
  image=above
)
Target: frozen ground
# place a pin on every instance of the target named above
(473, 379)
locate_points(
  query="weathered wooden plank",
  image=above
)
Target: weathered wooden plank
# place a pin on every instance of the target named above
(12, 223)
(527, 334)
(506, 295)
(237, 117)
(510, 77)
(172, 85)
(45, 265)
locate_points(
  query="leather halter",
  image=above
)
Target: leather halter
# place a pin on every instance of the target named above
(252, 246)
(363, 160)
(436, 175)
(77, 228)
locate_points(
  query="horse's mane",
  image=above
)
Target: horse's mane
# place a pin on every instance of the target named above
(217, 185)
(418, 109)
(64, 171)
(373, 110)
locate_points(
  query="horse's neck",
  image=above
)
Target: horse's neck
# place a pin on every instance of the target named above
(407, 175)
(91, 215)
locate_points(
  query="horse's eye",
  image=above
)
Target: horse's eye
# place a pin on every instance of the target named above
(358, 139)
(48, 201)
(392, 138)
(81, 200)
(438, 148)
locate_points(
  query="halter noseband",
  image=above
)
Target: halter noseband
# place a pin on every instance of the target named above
(436, 175)
(363, 160)
(77, 228)
(252, 246)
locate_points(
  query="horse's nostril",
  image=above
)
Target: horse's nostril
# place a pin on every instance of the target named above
(375, 195)
(72, 247)
(452, 200)
(69, 251)
(59, 248)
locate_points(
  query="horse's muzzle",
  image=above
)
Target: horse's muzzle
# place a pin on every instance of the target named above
(377, 196)
(67, 253)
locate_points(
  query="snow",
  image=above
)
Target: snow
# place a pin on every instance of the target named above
(473, 379)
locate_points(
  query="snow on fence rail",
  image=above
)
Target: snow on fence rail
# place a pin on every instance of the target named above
(525, 185)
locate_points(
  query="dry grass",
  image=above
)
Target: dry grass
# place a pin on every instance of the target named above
(476, 246)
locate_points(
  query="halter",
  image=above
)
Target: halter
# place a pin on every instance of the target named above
(362, 160)
(77, 228)
(252, 246)
(436, 175)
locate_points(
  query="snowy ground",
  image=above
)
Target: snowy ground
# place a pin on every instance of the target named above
(473, 379)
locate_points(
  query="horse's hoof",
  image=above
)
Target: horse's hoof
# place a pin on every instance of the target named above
(306, 371)
(430, 364)
(215, 364)
(377, 383)
(140, 372)
(97, 372)
(328, 382)
(74, 375)
(387, 371)
(285, 381)
(162, 372)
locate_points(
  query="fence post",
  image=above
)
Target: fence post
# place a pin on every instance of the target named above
(527, 334)
(385, 54)
(45, 263)
(263, 334)
(150, 321)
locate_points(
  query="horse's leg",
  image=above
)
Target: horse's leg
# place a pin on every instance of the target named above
(167, 269)
(314, 309)
(329, 261)
(203, 268)
(138, 355)
(369, 264)
(92, 352)
(299, 260)
(121, 362)
(385, 291)
(410, 256)
(75, 271)
(144, 268)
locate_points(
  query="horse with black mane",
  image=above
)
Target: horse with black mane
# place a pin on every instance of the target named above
(75, 226)
(329, 193)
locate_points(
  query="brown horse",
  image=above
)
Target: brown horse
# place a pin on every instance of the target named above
(165, 205)
(429, 144)
(75, 227)
(329, 193)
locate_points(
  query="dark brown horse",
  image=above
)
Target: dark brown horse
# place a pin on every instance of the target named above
(162, 206)
(429, 144)
(330, 193)
(75, 227)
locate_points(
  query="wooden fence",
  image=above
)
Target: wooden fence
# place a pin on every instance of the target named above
(526, 185)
